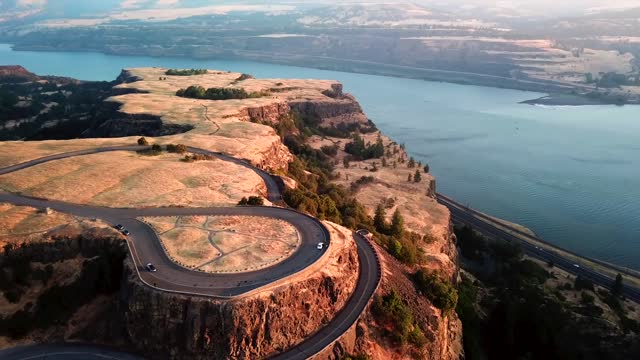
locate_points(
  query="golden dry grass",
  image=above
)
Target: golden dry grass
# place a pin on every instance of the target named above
(127, 179)
(23, 224)
(225, 243)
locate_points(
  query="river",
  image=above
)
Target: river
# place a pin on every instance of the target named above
(571, 174)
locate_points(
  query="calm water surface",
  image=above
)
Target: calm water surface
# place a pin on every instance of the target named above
(572, 174)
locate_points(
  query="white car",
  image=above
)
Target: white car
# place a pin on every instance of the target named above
(320, 246)
(151, 268)
(576, 265)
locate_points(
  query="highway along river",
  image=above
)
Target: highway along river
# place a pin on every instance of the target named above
(572, 174)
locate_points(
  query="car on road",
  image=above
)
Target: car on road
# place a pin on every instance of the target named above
(151, 268)
(320, 246)
(576, 265)
(119, 227)
(126, 232)
(365, 233)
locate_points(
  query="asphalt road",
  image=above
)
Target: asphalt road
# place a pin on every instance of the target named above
(146, 247)
(482, 224)
(64, 352)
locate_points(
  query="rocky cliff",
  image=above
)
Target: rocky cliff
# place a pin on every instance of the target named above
(187, 327)
(335, 109)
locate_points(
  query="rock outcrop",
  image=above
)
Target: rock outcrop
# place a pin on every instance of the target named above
(332, 110)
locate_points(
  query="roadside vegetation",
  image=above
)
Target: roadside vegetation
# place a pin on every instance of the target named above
(509, 313)
(251, 201)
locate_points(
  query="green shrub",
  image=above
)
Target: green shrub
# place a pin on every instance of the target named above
(586, 298)
(143, 141)
(199, 92)
(197, 157)
(186, 72)
(177, 149)
(441, 293)
(583, 284)
(416, 337)
(330, 150)
(391, 310)
(252, 201)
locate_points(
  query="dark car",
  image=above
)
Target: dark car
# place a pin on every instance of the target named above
(125, 232)
(119, 227)
(151, 268)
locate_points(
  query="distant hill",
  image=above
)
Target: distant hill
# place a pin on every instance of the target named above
(16, 73)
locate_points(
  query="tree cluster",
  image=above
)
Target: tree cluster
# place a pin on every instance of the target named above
(362, 151)
(185, 72)
(199, 92)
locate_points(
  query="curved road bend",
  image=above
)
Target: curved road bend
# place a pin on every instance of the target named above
(368, 281)
(482, 224)
(65, 352)
(145, 247)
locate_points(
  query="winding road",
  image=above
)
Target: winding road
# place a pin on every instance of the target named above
(145, 247)
(486, 226)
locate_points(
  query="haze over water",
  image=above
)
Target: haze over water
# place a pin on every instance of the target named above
(571, 174)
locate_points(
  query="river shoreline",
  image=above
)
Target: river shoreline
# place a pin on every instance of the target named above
(558, 94)
(570, 100)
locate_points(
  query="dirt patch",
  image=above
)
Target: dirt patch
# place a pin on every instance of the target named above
(222, 244)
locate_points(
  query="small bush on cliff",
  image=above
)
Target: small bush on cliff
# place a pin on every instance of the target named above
(197, 157)
(397, 319)
(330, 150)
(155, 150)
(439, 292)
(143, 141)
(252, 201)
(177, 149)
(186, 72)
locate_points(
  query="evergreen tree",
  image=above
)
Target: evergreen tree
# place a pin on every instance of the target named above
(409, 178)
(380, 219)
(397, 224)
(617, 285)
(412, 163)
(417, 177)
(426, 168)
